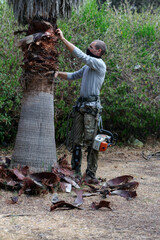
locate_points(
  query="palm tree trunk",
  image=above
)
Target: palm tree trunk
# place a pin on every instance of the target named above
(35, 140)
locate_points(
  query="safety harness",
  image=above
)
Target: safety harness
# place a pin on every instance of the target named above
(80, 107)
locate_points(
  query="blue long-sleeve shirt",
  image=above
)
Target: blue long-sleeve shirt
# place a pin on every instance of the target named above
(92, 74)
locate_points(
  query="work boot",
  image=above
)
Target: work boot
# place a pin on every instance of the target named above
(78, 174)
(91, 180)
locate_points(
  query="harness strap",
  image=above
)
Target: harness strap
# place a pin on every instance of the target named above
(88, 99)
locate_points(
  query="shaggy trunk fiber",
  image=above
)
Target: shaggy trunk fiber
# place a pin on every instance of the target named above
(26, 10)
(35, 141)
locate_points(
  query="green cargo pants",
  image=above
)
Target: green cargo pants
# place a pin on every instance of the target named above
(83, 130)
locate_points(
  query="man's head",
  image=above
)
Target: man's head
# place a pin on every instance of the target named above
(97, 48)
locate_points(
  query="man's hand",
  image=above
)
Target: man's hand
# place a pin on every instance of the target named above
(68, 44)
(53, 73)
(62, 75)
(50, 73)
(56, 74)
(59, 34)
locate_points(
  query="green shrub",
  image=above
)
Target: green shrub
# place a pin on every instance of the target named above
(131, 88)
(131, 83)
(9, 73)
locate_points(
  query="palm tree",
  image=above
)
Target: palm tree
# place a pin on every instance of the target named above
(35, 140)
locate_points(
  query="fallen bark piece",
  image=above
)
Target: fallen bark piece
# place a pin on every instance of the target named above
(90, 194)
(96, 205)
(8, 180)
(18, 174)
(66, 187)
(10, 185)
(127, 186)
(119, 180)
(64, 175)
(79, 200)
(64, 205)
(7, 174)
(30, 186)
(69, 180)
(93, 188)
(126, 194)
(66, 172)
(41, 176)
(46, 180)
(61, 172)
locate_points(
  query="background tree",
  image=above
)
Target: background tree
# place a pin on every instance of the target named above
(137, 5)
(35, 141)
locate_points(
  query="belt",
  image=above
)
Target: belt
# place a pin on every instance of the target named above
(88, 99)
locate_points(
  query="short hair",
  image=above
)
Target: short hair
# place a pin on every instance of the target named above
(101, 45)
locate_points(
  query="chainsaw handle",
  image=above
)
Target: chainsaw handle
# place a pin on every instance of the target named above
(114, 136)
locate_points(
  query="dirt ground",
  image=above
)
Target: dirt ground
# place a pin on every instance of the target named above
(136, 219)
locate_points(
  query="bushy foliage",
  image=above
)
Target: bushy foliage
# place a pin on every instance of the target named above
(10, 70)
(130, 92)
(134, 5)
(131, 88)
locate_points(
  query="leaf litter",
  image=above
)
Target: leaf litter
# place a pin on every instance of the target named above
(62, 179)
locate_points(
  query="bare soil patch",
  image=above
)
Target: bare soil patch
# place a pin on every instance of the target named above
(137, 219)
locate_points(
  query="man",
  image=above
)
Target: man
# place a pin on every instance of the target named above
(88, 104)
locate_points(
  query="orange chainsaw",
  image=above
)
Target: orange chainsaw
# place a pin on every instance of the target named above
(104, 139)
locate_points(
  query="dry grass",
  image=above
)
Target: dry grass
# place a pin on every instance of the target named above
(136, 219)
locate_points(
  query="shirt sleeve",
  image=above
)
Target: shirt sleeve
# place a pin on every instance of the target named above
(75, 75)
(94, 63)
